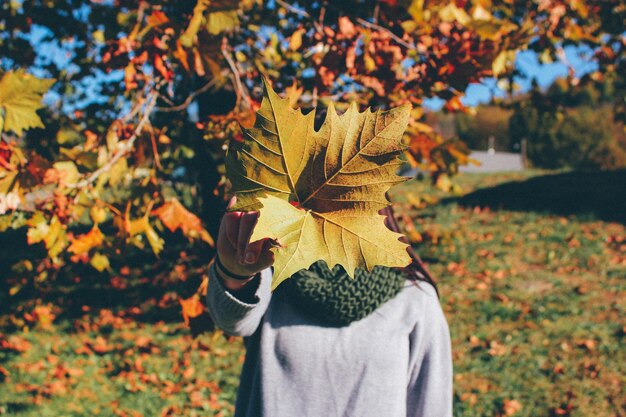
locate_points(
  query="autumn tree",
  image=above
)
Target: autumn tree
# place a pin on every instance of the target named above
(122, 165)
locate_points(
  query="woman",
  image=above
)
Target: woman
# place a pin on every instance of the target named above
(325, 345)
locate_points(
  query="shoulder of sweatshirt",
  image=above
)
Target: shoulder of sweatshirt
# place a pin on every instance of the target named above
(422, 290)
(416, 301)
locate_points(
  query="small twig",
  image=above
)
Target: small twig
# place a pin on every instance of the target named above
(560, 53)
(387, 31)
(128, 145)
(237, 80)
(376, 12)
(189, 99)
(318, 27)
(155, 151)
(293, 9)
(320, 20)
(140, 14)
(167, 100)
(315, 96)
(131, 114)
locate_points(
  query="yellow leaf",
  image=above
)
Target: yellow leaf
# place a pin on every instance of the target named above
(8, 180)
(142, 225)
(336, 176)
(112, 138)
(452, 13)
(98, 36)
(349, 238)
(38, 229)
(240, 56)
(545, 57)
(188, 37)
(222, 21)
(461, 158)
(499, 64)
(423, 127)
(53, 234)
(409, 26)
(416, 10)
(417, 113)
(69, 137)
(295, 42)
(98, 214)
(370, 64)
(117, 172)
(491, 29)
(480, 13)
(20, 98)
(444, 183)
(99, 262)
(134, 230)
(67, 171)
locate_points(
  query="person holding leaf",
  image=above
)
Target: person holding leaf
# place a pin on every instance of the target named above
(309, 273)
(324, 344)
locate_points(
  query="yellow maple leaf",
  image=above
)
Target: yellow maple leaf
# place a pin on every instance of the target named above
(319, 192)
(133, 230)
(20, 98)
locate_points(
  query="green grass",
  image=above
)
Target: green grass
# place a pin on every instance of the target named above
(533, 289)
(130, 369)
(535, 300)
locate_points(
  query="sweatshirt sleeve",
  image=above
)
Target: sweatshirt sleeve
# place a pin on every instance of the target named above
(235, 316)
(430, 364)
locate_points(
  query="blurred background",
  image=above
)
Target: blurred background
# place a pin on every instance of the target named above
(115, 116)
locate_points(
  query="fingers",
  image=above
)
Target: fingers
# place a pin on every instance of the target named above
(235, 232)
(252, 252)
(237, 228)
(259, 252)
(246, 225)
(230, 227)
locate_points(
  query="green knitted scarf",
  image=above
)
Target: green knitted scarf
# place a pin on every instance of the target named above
(337, 299)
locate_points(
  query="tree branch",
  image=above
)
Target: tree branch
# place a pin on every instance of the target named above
(318, 27)
(241, 92)
(189, 99)
(387, 31)
(293, 9)
(122, 151)
(363, 22)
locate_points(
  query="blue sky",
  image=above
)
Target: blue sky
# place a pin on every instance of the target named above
(527, 63)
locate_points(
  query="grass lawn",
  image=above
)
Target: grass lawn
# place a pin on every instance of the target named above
(532, 276)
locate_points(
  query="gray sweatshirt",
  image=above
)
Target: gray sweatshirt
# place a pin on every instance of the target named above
(396, 362)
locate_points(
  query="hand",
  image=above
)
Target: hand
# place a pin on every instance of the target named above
(238, 255)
